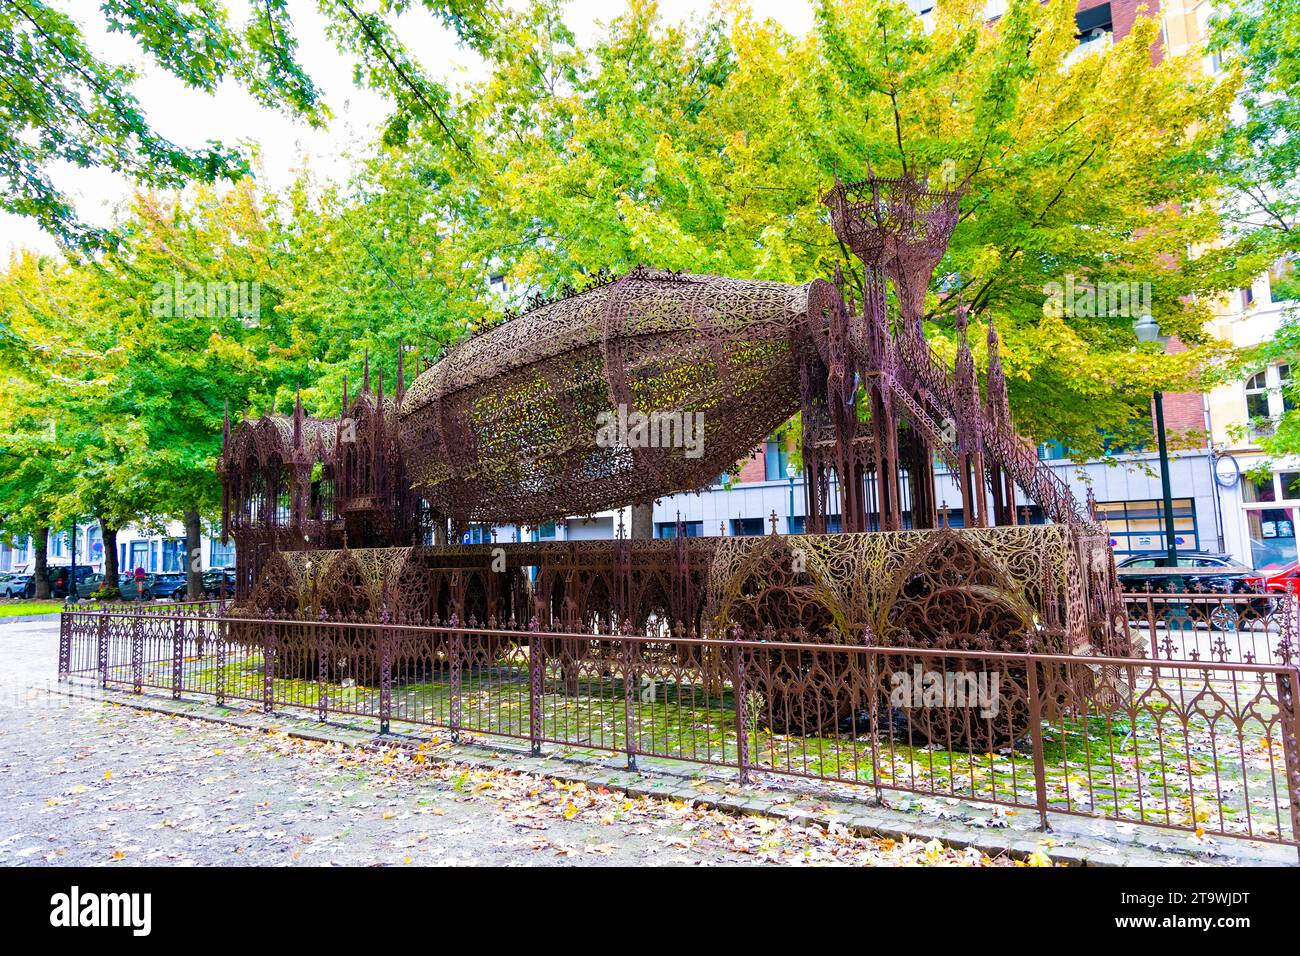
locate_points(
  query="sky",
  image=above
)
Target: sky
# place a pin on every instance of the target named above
(190, 117)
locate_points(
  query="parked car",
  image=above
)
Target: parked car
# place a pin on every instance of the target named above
(1196, 570)
(152, 587)
(1283, 579)
(14, 584)
(89, 585)
(219, 582)
(59, 581)
(1196, 573)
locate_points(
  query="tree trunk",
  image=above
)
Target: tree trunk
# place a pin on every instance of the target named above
(40, 575)
(194, 556)
(109, 534)
(643, 521)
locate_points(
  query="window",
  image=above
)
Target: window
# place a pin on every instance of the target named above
(746, 526)
(668, 529)
(1284, 280)
(1266, 398)
(775, 461)
(797, 523)
(1094, 31)
(221, 555)
(1051, 451)
(139, 556)
(1272, 536)
(1289, 482)
(173, 555)
(1258, 489)
(1139, 526)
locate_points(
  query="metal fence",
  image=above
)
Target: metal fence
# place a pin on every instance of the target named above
(1202, 746)
(1252, 628)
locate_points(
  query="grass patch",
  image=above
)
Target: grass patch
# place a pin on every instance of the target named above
(20, 608)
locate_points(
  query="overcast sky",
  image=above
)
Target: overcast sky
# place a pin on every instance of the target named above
(190, 117)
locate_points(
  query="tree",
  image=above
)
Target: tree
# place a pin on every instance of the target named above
(212, 297)
(706, 147)
(50, 384)
(61, 102)
(1258, 159)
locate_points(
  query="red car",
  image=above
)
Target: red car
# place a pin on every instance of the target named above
(1285, 578)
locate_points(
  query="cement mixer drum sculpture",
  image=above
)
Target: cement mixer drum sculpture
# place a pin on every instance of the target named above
(656, 383)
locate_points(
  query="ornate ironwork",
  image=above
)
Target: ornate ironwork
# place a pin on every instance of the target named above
(592, 401)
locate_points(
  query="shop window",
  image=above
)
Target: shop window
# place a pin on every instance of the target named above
(1136, 527)
(1272, 536)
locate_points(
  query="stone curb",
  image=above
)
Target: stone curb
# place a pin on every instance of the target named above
(861, 819)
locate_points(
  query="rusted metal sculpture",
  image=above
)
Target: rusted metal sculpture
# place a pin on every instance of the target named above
(513, 426)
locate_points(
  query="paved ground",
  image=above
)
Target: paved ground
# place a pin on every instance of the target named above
(86, 782)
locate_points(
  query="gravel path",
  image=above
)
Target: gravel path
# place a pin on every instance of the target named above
(86, 782)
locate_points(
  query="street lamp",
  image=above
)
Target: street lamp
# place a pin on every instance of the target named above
(1147, 330)
(790, 472)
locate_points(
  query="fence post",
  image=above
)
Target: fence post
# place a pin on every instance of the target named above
(222, 636)
(385, 676)
(536, 671)
(137, 655)
(178, 656)
(1036, 735)
(741, 706)
(268, 667)
(1288, 698)
(456, 649)
(101, 649)
(65, 645)
(322, 671)
(873, 712)
(1151, 624)
(630, 681)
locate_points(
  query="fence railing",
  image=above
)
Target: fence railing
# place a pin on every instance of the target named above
(1198, 746)
(1248, 627)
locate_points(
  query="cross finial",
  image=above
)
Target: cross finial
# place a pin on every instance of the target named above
(1024, 515)
(722, 528)
(943, 514)
(772, 518)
